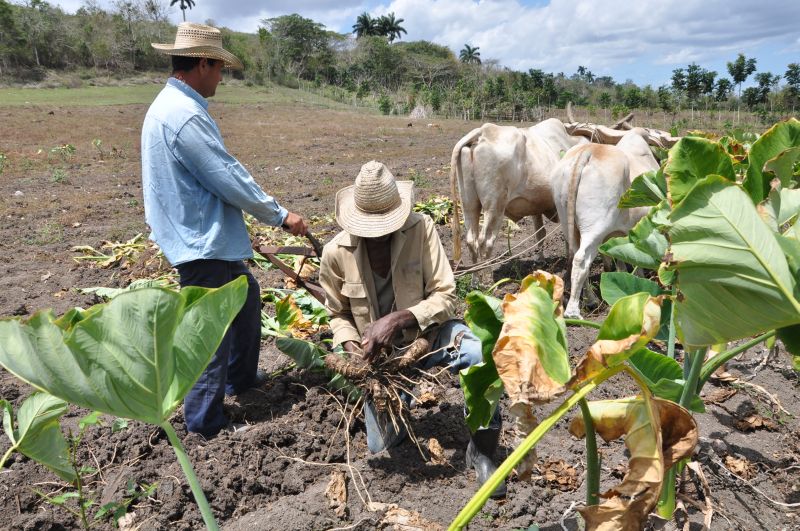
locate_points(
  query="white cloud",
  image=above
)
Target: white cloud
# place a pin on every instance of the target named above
(602, 34)
(644, 40)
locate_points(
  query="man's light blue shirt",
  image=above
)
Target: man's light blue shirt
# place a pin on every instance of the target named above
(194, 190)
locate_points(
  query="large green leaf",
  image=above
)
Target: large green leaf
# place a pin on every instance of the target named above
(134, 357)
(615, 285)
(483, 389)
(664, 377)
(37, 433)
(771, 156)
(644, 246)
(782, 206)
(632, 315)
(693, 159)
(305, 354)
(732, 275)
(481, 384)
(648, 189)
(790, 336)
(484, 316)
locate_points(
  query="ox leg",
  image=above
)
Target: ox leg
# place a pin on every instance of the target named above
(539, 231)
(581, 265)
(492, 224)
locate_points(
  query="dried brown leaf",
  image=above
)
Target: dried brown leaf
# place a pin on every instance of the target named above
(642, 422)
(560, 475)
(437, 452)
(740, 466)
(755, 422)
(399, 519)
(336, 492)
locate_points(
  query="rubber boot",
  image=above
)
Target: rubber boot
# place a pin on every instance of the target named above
(480, 453)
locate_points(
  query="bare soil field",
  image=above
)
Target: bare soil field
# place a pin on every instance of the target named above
(274, 475)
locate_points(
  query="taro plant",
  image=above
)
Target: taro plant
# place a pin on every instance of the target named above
(525, 353)
(438, 207)
(134, 357)
(723, 236)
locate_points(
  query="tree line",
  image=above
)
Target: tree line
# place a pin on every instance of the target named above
(373, 64)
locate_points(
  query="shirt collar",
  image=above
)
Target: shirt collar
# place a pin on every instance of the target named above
(189, 91)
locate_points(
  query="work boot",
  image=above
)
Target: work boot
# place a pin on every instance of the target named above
(480, 454)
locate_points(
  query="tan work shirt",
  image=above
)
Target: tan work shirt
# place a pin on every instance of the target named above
(422, 280)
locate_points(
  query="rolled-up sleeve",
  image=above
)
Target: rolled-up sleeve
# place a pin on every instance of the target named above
(439, 304)
(331, 277)
(199, 148)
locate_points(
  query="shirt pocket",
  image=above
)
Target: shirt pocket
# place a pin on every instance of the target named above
(357, 294)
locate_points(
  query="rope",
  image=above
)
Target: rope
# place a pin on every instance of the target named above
(500, 260)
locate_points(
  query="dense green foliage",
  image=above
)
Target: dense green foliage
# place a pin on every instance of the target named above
(372, 64)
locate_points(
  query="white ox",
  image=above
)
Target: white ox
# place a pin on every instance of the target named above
(587, 185)
(504, 170)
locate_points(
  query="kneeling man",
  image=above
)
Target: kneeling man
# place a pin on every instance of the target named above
(387, 280)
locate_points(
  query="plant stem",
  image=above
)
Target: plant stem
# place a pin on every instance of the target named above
(694, 362)
(479, 498)
(194, 483)
(723, 357)
(6, 456)
(671, 340)
(582, 322)
(592, 457)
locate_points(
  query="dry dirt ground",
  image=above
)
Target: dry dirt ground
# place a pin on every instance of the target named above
(274, 475)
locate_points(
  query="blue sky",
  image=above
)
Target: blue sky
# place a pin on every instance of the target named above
(643, 41)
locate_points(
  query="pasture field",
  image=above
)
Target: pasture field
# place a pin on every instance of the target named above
(71, 177)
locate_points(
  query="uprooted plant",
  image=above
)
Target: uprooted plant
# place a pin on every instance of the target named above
(525, 353)
(389, 381)
(134, 357)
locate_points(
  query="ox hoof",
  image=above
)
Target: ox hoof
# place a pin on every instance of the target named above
(572, 314)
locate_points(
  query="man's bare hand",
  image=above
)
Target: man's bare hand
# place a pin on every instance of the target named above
(295, 224)
(352, 347)
(381, 334)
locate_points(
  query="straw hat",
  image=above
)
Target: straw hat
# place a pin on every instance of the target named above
(199, 40)
(376, 204)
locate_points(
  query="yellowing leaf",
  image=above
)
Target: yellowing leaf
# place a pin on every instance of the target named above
(531, 352)
(657, 433)
(631, 323)
(291, 319)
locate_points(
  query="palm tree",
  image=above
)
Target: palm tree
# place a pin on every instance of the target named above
(185, 4)
(390, 27)
(470, 54)
(365, 25)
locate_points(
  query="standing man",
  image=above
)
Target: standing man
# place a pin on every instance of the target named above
(387, 280)
(194, 195)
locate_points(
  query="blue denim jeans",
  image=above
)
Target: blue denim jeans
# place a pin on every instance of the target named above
(381, 433)
(233, 368)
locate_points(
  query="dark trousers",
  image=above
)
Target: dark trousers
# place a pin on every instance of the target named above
(233, 368)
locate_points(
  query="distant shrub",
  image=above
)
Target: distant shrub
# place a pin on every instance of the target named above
(384, 104)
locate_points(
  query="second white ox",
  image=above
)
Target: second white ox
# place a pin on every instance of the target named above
(504, 170)
(587, 185)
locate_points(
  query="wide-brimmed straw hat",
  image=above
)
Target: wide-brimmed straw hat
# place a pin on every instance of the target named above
(376, 204)
(199, 40)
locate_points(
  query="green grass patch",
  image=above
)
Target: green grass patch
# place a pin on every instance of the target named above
(144, 94)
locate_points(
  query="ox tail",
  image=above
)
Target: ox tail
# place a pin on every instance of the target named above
(572, 236)
(456, 177)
